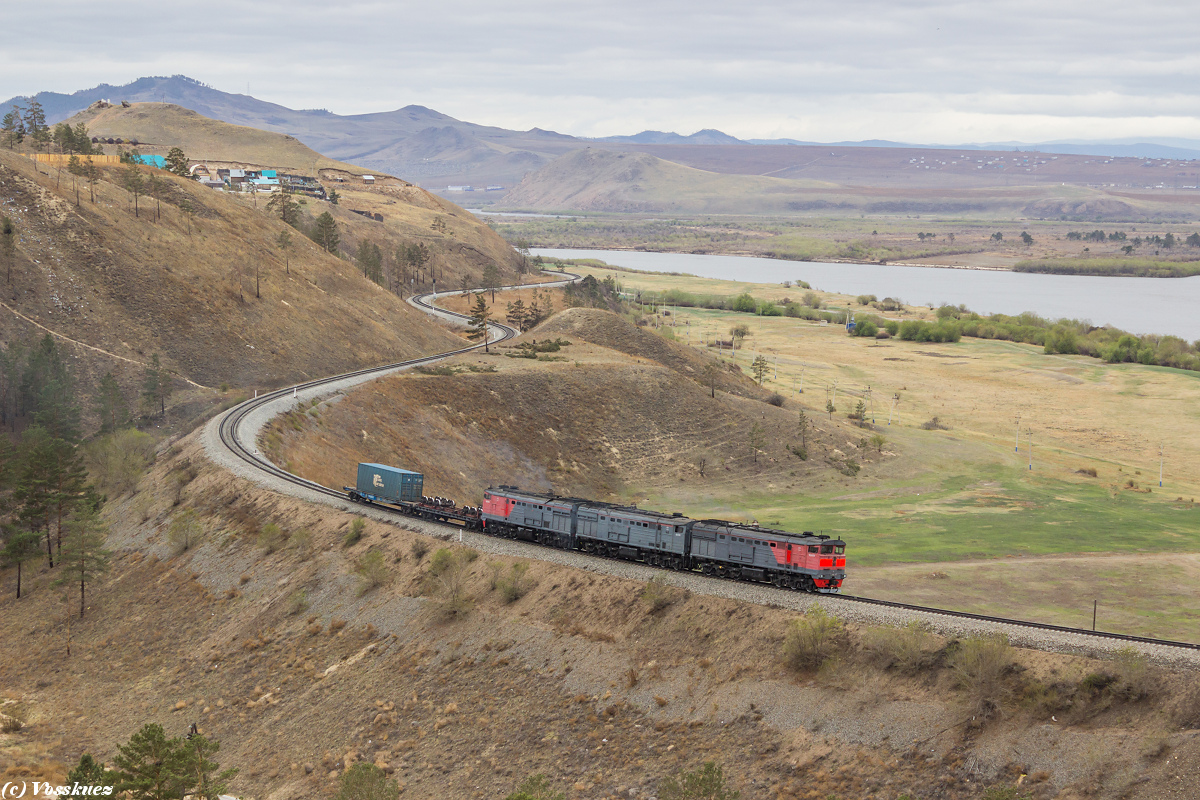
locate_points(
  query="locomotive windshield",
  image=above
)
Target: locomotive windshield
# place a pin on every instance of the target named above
(840, 549)
(826, 549)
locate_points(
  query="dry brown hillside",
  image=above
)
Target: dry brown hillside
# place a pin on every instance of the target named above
(461, 245)
(277, 648)
(216, 302)
(589, 420)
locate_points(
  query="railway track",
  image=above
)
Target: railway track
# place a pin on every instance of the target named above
(229, 431)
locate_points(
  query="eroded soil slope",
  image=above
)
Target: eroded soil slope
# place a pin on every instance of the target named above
(594, 422)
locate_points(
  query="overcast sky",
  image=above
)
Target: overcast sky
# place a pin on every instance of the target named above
(820, 70)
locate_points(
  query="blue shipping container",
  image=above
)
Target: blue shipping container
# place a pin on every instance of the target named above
(390, 483)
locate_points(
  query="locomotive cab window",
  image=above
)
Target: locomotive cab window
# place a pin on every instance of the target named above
(812, 548)
(826, 549)
(840, 549)
(789, 547)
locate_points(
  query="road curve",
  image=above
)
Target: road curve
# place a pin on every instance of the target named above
(229, 440)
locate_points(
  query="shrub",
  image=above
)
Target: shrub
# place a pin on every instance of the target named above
(812, 300)
(934, 424)
(744, 303)
(658, 594)
(117, 461)
(866, 299)
(442, 560)
(298, 602)
(705, 783)
(271, 538)
(365, 781)
(776, 399)
(535, 787)
(812, 638)
(903, 648)
(979, 664)
(301, 542)
(185, 532)
(372, 571)
(419, 548)
(866, 328)
(513, 586)
(355, 534)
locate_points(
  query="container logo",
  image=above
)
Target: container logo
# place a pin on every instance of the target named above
(377, 480)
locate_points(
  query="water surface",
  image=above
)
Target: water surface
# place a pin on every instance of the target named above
(1140, 305)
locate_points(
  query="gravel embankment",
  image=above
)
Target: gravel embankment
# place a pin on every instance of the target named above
(1054, 641)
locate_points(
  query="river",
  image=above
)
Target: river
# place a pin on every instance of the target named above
(1139, 305)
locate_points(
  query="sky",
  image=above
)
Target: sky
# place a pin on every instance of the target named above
(816, 70)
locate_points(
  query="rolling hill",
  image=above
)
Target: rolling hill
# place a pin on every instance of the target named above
(593, 179)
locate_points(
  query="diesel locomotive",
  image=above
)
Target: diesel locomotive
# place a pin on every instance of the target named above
(807, 562)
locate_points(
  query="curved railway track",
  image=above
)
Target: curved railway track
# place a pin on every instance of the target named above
(229, 432)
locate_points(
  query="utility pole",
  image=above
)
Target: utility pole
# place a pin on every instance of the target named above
(777, 378)
(1017, 447)
(1029, 436)
(1160, 465)
(895, 398)
(802, 381)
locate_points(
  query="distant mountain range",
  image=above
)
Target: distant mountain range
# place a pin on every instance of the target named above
(436, 150)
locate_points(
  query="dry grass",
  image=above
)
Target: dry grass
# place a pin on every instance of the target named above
(979, 665)
(812, 639)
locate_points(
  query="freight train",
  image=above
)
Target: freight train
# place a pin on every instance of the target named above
(807, 562)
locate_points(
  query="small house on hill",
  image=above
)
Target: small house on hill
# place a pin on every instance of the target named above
(368, 179)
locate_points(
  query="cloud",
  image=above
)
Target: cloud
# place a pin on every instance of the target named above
(921, 69)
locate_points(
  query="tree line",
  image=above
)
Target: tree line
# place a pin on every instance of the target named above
(49, 505)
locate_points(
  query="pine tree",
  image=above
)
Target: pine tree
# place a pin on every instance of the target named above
(13, 128)
(110, 405)
(284, 243)
(370, 261)
(20, 546)
(759, 367)
(83, 557)
(75, 167)
(8, 241)
(325, 232)
(152, 767)
(83, 142)
(206, 777)
(35, 482)
(281, 203)
(156, 387)
(91, 173)
(517, 315)
(156, 187)
(491, 279)
(177, 162)
(133, 182)
(480, 314)
(35, 125)
(89, 772)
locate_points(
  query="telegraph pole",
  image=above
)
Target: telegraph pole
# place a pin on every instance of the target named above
(1160, 465)
(1029, 435)
(1017, 447)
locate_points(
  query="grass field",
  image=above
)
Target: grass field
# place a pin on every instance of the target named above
(964, 492)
